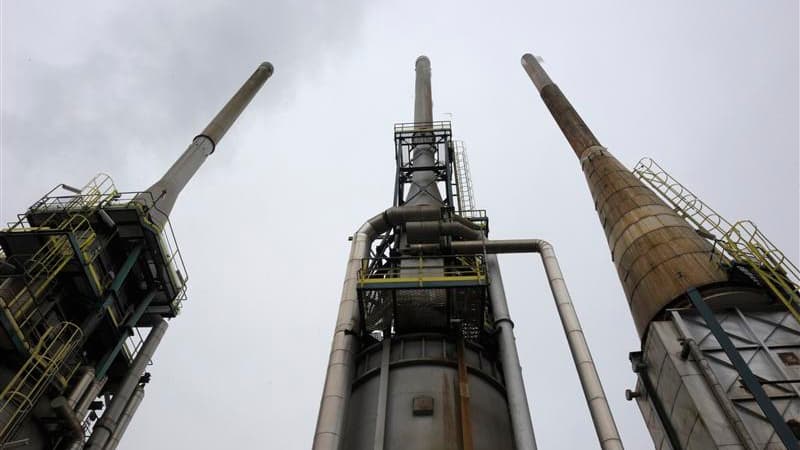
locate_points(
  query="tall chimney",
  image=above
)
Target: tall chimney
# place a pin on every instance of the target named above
(658, 255)
(423, 189)
(165, 191)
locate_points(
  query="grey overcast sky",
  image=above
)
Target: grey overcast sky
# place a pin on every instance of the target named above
(709, 89)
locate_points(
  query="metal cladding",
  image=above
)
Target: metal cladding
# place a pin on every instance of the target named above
(658, 255)
(165, 191)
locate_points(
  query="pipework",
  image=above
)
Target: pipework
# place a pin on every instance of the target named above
(602, 418)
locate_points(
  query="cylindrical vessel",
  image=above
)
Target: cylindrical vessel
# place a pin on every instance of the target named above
(658, 255)
(423, 397)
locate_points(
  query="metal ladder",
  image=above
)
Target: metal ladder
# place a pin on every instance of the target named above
(48, 359)
(742, 241)
(466, 197)
(42, 268)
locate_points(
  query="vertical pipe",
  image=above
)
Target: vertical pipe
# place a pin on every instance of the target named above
(524, 438)
(603, 420)
(383, 393)
(125, 418)
(86, 378)
(463, 397)
(94, 390)
(336, 392)
(109, 422)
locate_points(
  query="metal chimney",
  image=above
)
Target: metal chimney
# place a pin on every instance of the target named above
(165, 191)
(658, 255)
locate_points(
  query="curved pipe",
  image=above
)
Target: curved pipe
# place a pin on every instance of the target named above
(602, 418)
(336, 391)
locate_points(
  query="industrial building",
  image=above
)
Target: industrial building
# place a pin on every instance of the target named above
(423, 354)
(88, 279)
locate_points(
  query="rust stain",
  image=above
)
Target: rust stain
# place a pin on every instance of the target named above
(451, 437)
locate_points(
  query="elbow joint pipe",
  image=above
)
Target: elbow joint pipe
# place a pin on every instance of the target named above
(602, 418)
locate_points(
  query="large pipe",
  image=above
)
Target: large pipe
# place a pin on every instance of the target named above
(94, 390)
(64, 411)
(85, 380)
(602, 418)
(125, 418)
(518, 409)
(658, 255)
(336, 391)
(165, 191)
(110, 420)
(83, 406)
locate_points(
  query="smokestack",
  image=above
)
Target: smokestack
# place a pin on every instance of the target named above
(165, 191)
(423, 190)
(658, 255)
(423, 103)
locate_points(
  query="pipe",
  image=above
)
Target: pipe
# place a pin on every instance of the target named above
(94, 390)
(719, 392)
(165, 191)
(110, 420)
(86, 378)
(83, 406)
(125, 418)
(336, 391)
(602, 418)
(64, 411)
(519, 411)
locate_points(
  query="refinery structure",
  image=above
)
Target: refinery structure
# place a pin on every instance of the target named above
(88, 279)
(423, 354)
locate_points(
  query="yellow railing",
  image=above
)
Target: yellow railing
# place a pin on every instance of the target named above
(49, 260)
(746, 244)
(47, 359)
(741, 242)
(422, 269)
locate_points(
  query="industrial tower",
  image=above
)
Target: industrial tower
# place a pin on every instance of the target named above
(88, 279)
(423, 352)
(715, 303)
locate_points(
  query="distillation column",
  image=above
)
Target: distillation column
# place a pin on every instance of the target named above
(412, 364)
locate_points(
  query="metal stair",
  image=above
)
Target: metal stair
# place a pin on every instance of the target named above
(48, 359)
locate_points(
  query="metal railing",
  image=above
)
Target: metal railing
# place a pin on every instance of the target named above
(427, 127)
(466, 197)
(144, 202)
(741, 242)
(47, 359)
(420, 270)
(748, 245)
